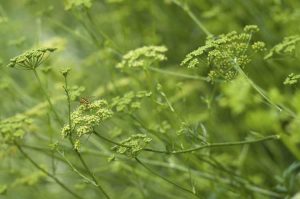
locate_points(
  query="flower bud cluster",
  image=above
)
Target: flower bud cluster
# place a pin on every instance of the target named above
(286, 47)
(221, 52)
(143, 57)
(85, 118)
(13, 128)
(132, 146)
(130, 101)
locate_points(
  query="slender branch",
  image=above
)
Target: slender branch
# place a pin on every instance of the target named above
(216, 145)
(108, 140)
(165, 179)
(186, 8)
(47, 97)
(213, 145)
(72, 143)
(46, 172)
(178, 74)
(76, 170)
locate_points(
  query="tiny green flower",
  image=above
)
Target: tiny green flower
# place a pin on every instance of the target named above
(13, 128)
(286, 47)
(143, 57)
(86, 117)
(251, 29)
(259, 46)
(221, 52)
(133, 145)
(129, 101)
(77, 145)
(291, 79)
(70, 4)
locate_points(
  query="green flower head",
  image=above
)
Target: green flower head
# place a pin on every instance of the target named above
(86, 117)
(132, 146)
(31, 59)
(222, 52)
(13, 128)
(130, 101)
(143, 57)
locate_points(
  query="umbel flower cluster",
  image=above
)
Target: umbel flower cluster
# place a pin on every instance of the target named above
(31, 59)
(286, 47)
(222, 52)
(132, 145)
(13, 128)
(70, 4)
(130, 101)
(143, 57)
(85, 118)
(291, 79)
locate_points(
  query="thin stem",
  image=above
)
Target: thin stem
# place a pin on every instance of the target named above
(104, 35)
(178, 74)
(47, 173)
(216, 145)
(72, 143)
(186, 8)
(213, 145)
(69, 30)
(165, 179)
(47, 97)
(76, 170)
(108, 140)
(258, 89)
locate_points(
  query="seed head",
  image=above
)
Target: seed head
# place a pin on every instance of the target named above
(31, 59)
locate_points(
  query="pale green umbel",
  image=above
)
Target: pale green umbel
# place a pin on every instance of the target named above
(31, 59)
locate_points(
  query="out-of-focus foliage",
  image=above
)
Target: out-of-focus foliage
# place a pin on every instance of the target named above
(137, 118)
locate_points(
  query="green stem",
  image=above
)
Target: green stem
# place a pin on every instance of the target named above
(178, 74)
(186, 8)
(104, 35)
(216, 145)
(176, 167)
(47, 97)
(72, 143)
(76, 170)
(165, 179)
(261, 92)
(108, 140)
(47, 173)
(213, 145)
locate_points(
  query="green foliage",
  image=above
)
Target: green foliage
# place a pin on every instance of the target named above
(126, 120)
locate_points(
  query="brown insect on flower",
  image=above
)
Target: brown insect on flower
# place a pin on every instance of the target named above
(86, 100)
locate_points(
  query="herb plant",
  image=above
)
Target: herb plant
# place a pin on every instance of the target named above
(149, 99)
